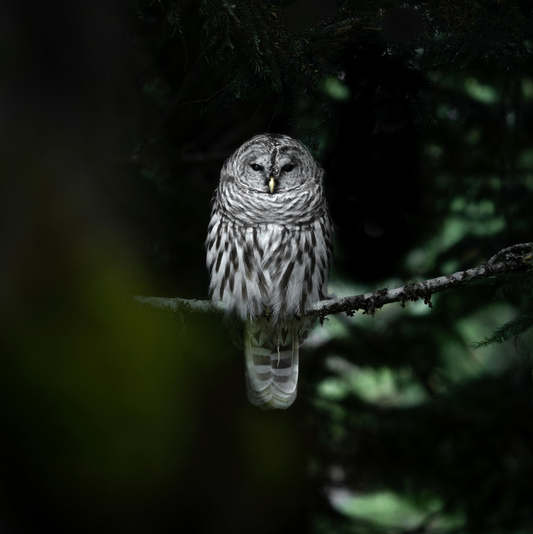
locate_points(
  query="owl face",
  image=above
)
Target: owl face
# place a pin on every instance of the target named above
(272, 164)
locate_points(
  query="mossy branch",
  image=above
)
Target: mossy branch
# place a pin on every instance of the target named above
(510, 260)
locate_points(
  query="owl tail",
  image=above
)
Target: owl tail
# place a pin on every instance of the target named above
(271, 372)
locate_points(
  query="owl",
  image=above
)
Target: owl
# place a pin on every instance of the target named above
(269, 250)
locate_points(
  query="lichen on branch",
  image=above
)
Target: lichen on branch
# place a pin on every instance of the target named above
(514, 259)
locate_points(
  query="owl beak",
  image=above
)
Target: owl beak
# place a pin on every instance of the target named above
(271, 184)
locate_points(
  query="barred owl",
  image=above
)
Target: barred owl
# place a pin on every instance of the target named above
(268, 253)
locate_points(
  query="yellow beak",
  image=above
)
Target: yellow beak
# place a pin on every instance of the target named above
(271, 184)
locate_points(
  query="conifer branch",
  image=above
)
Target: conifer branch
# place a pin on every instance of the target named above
(512, 259)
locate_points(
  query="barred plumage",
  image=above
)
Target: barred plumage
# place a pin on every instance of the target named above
(269, 250)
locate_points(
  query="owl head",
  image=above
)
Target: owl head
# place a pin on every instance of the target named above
(272, 164)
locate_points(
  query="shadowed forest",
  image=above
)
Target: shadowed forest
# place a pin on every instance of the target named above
(115, 119)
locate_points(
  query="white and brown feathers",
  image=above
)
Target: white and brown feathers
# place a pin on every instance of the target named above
(268, 253)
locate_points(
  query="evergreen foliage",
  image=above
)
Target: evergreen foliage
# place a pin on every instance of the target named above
(249, 45)
(508, 330)
(504, 285)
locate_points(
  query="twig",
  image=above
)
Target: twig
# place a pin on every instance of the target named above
(205, 100)
(173, 104)
(230, 7)
(511, 249)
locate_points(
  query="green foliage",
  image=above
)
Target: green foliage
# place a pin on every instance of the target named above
(173, 16)
(252, 49)
(522, 282)
(510, 329)
(506, 285)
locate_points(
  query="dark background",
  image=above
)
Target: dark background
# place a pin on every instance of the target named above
(115, 119)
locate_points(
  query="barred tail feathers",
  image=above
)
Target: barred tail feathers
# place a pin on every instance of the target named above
(271, 372)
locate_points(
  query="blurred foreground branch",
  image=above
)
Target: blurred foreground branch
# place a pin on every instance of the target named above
(510, 260)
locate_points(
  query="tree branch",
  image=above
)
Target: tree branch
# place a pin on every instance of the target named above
(178, 305)
(512, 259)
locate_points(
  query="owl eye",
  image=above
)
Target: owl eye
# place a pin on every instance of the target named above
(256, 167)
(288, 168)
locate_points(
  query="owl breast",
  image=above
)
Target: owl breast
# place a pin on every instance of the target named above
(269, 268)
